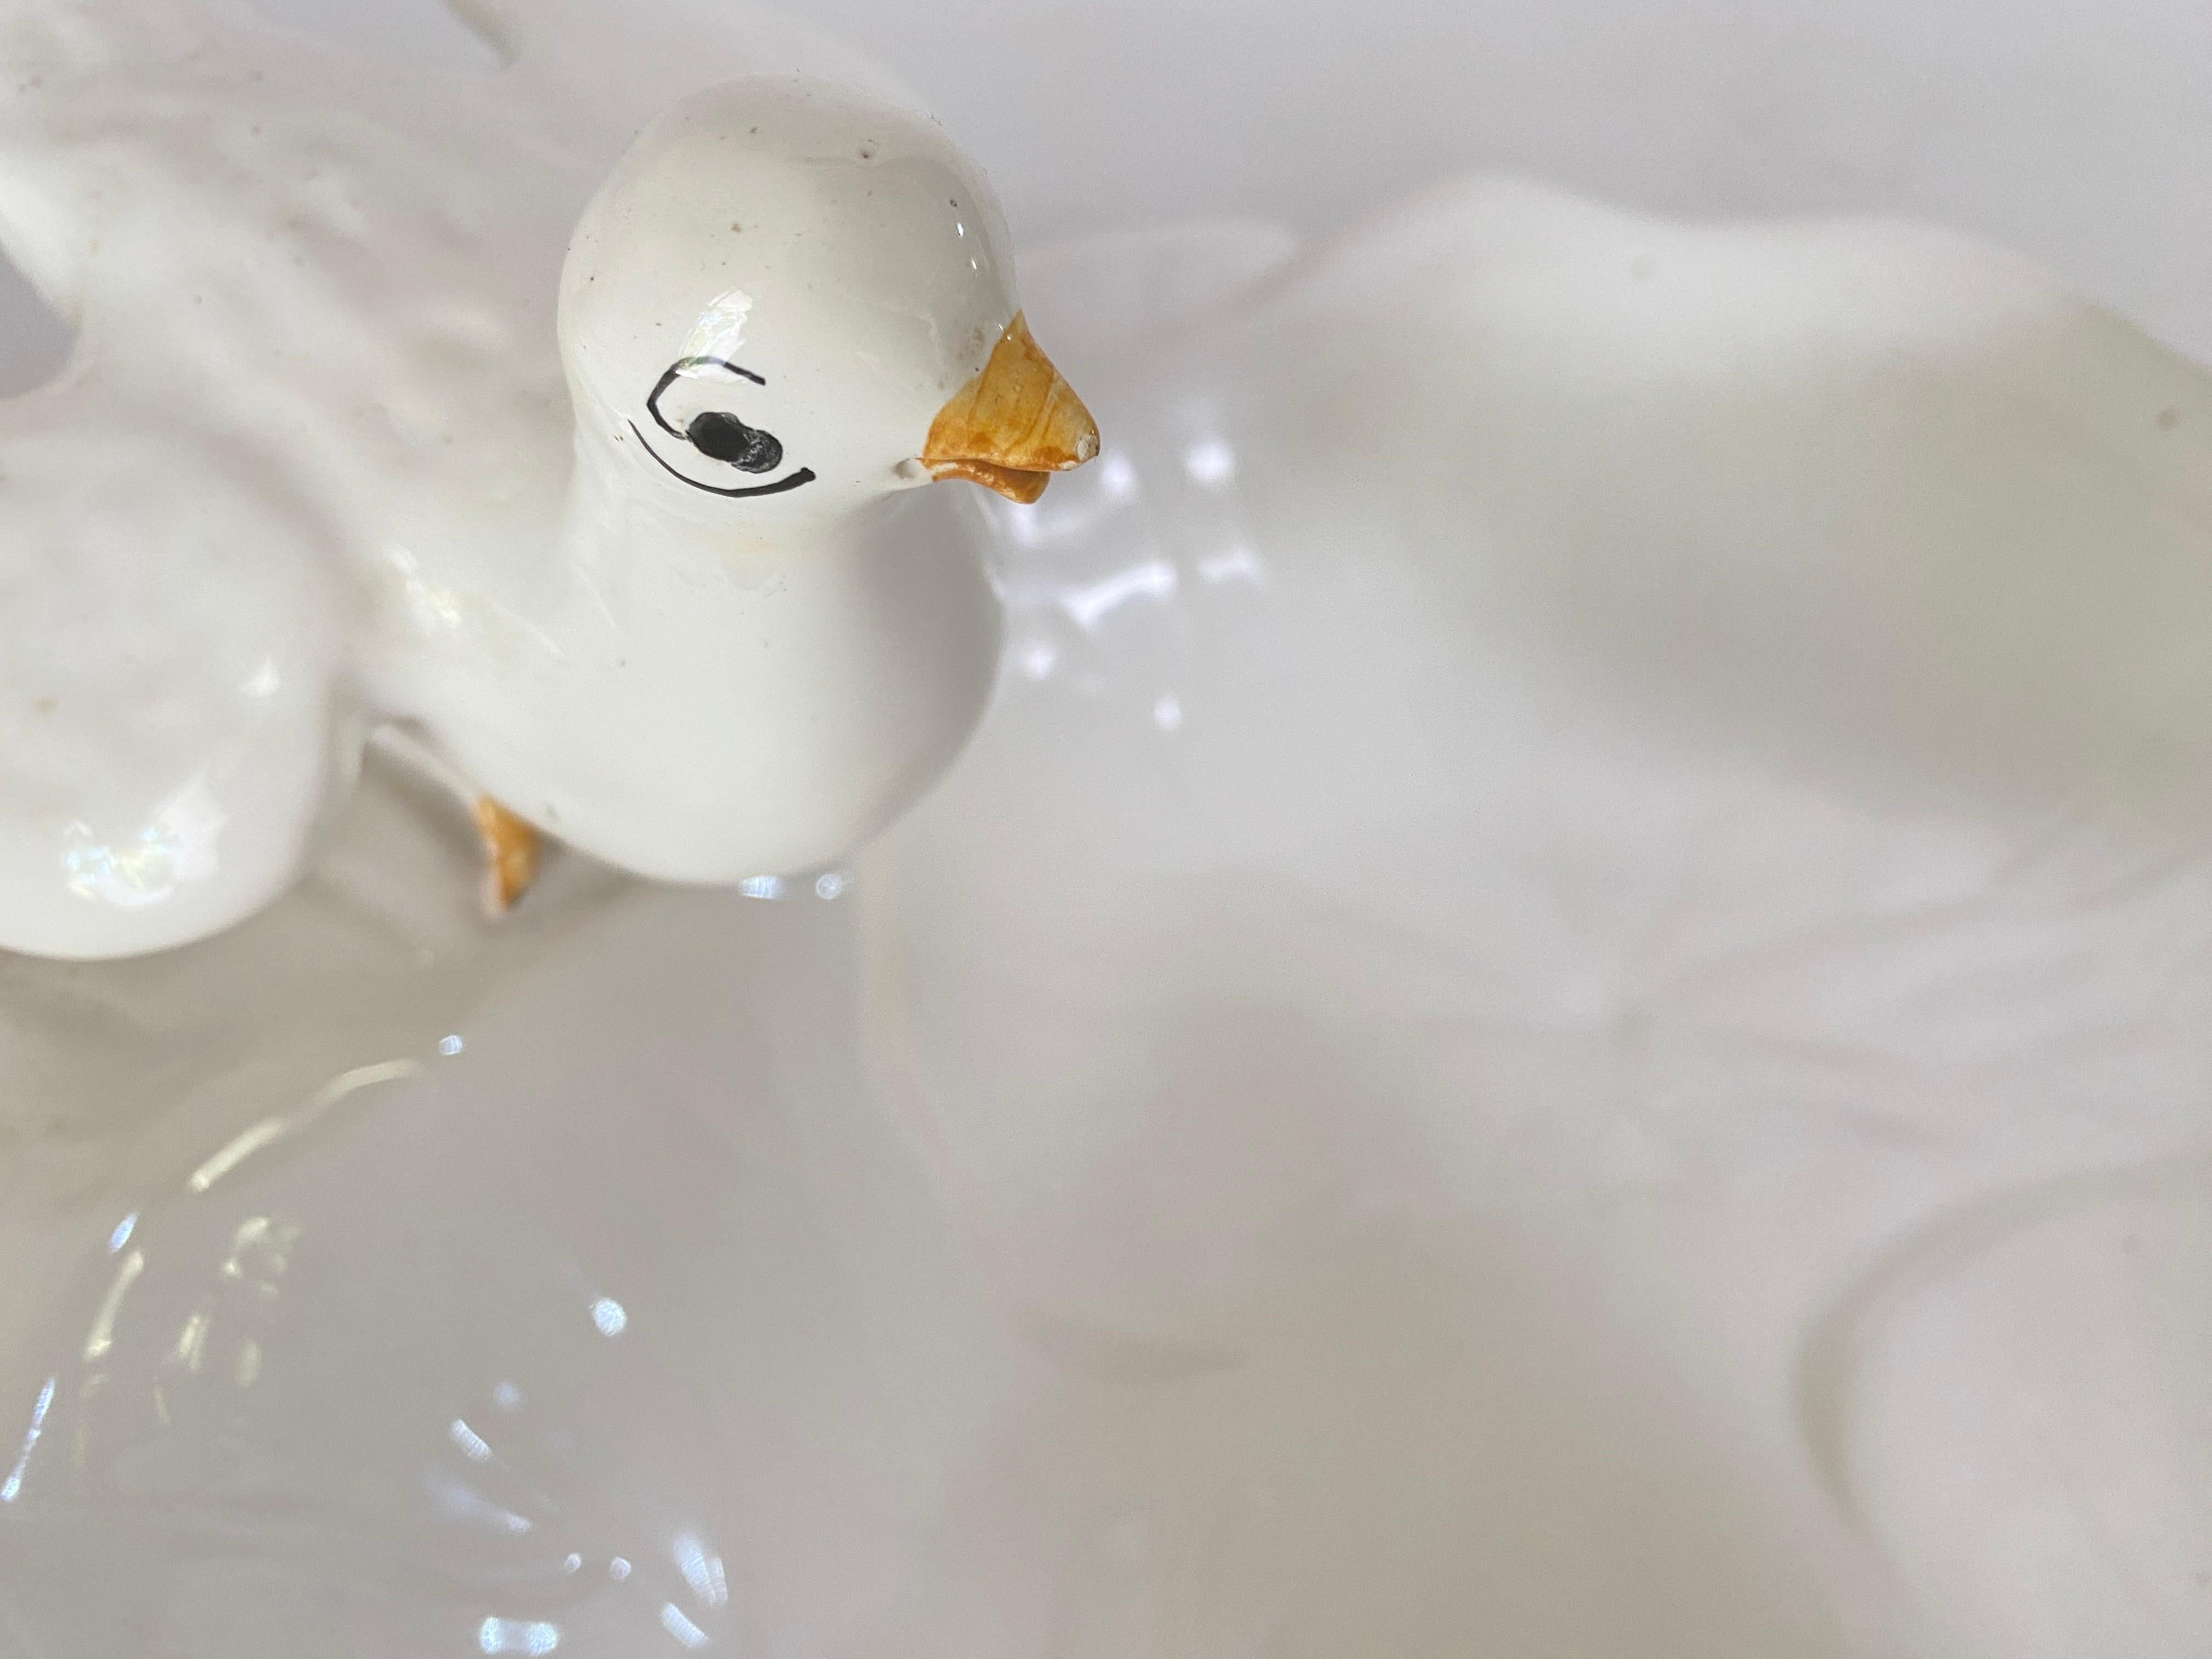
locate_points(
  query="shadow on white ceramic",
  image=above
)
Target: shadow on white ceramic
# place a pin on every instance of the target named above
(1558, 1007)
(37, 342)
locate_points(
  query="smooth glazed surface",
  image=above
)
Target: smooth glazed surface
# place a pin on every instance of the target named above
(665, 612)
(1559, 1009)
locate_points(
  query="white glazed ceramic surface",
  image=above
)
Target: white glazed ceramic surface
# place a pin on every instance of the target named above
(1559, 1010)
(312, 468)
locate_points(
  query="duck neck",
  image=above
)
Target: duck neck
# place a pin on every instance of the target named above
(692, 699)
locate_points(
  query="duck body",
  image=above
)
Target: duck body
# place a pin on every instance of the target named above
(315, 467)
(706, 757)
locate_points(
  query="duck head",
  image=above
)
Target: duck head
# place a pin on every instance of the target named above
(790, 300)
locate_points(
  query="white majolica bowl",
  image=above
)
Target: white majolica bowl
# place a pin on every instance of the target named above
(1560, 1011)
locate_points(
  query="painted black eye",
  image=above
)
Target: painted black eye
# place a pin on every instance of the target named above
(725, 438)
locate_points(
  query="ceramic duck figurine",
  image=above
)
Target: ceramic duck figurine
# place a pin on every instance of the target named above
(322, 464)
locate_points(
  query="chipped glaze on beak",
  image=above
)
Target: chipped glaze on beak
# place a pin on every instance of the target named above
(1014, 425)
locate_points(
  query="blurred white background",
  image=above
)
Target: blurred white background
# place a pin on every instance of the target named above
(2079, 132)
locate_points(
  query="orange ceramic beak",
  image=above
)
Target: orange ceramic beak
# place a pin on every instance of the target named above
(1014, 425)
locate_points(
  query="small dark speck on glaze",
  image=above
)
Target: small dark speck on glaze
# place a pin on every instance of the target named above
(46, 705)
(2168, 419)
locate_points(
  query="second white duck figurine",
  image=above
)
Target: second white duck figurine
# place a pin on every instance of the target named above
(318, 465)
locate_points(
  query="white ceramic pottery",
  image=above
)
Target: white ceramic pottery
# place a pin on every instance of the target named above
(1558, 1009)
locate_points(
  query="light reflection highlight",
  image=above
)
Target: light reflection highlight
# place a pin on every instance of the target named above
(474, 1446)
(1117, 476)
(610, 1316)
(272, 1130)
(1086, 607)
(13, 1485)
(179, 845)
(673, 1621)
(266, 1132)
(464, 1502)
(702, 1570)
(517, 1636)
(103, 1335)
(1231, 564)
(260, 1251)
(192, 1342)
(121, 1236)
(1211, 462)
(719, 331)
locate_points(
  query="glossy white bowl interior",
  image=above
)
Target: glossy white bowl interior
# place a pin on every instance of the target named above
(1349, 1124)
